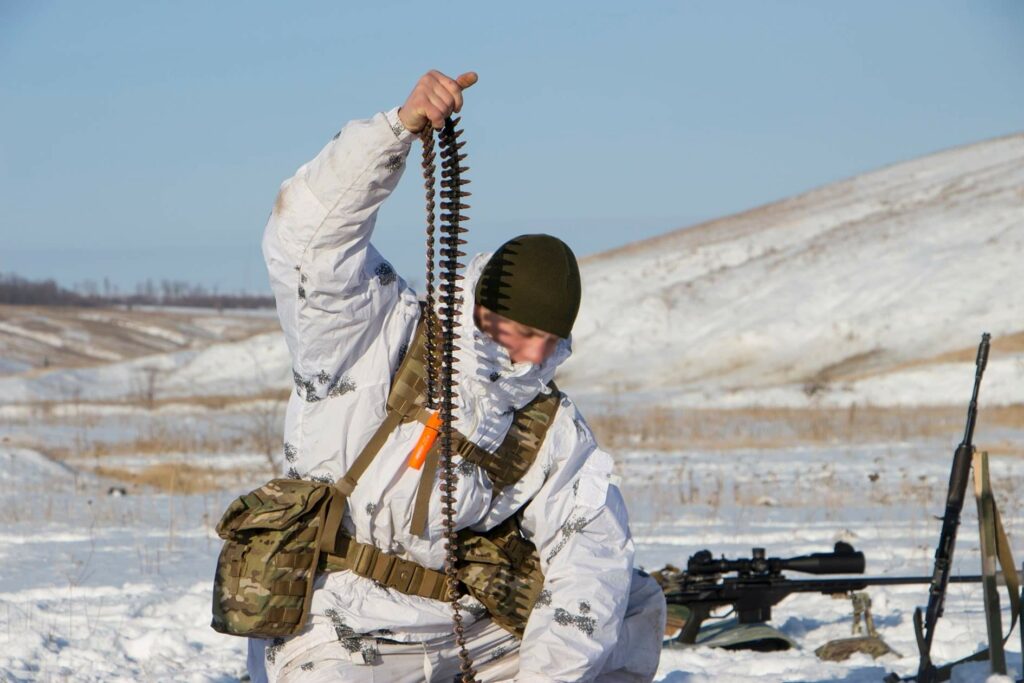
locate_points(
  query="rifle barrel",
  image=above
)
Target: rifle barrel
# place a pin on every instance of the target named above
(837, 585)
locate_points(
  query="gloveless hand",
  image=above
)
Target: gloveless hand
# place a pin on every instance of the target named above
(433, 99)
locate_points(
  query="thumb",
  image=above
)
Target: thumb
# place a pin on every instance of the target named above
(467, 79)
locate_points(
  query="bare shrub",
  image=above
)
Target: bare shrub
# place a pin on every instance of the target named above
(146, 388)
(263, 427)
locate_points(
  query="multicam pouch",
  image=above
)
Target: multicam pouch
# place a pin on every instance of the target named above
(501, 569)
(266, 569)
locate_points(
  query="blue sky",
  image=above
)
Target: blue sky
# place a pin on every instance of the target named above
(148, 139)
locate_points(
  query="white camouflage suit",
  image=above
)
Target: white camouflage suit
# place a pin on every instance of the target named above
(348, 320)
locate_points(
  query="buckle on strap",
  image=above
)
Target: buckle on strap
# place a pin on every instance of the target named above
(466, 448)
(364, 560)
(346, 485)
(401, 576)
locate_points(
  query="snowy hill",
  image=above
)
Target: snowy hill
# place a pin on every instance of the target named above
(873, 290)
(67, 336)
(64, 354)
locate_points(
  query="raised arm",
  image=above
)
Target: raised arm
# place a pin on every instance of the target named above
(331, 285)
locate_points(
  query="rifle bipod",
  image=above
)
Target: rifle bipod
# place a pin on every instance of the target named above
(445, 310)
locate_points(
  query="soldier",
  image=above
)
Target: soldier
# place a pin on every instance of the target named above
(349, 321)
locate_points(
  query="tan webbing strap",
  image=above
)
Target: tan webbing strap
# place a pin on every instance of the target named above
(284, 615)
(1010, 575)
(405, 401)
(517, 452)
(284, 587)
(391, 571)
(505, 466)
(409, 386)
(460, 445)
(344, 486)
(418, 523)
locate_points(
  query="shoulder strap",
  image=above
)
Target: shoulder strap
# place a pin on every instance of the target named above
(345, 485)
(504, 467)
(518, 451)
(408, 393)
(402, 403)
(507, 464)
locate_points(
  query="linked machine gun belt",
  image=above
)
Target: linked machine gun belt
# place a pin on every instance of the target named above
(442, 310)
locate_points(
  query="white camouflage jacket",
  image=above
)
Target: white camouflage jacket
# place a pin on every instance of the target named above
(348, 319)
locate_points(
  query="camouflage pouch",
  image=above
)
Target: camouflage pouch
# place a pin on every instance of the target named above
(266, 569)
(501, 569)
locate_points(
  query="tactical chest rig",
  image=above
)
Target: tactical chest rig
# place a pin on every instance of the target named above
(510, 581)
(280, 535)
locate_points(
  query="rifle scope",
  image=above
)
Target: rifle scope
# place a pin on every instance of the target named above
(843, 560)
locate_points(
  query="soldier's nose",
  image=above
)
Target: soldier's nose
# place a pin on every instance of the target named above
(538, 349)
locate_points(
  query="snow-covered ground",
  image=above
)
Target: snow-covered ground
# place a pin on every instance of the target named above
(98, 587)
(881, 498)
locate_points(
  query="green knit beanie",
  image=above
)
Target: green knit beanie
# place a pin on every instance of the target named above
(534, 280)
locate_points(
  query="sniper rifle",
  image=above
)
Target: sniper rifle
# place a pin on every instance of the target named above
(752, 586)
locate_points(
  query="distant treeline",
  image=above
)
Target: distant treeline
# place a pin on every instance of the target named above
(15, 289)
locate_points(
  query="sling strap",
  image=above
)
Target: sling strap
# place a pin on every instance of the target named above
(333, 532)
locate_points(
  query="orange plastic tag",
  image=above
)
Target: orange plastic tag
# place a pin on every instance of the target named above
(418, 455)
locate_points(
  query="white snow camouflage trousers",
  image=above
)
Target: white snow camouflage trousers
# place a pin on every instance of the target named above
(494, 651)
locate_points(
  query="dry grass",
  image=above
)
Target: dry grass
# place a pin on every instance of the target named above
(1004, 449)
(160, 440)
(1004, 416)
(223, 402)
(172, 478)
(718, 429)
(44, 409)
